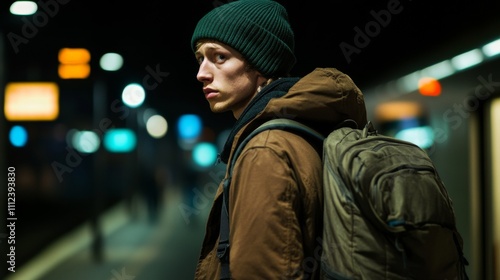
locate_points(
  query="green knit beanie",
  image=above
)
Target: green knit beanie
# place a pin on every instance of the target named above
(258, 29)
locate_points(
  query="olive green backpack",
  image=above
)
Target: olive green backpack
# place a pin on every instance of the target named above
(387, 213)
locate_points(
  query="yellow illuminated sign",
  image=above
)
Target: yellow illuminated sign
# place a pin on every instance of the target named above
(31, 101)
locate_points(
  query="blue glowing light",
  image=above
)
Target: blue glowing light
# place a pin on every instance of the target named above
(189, 126)
(205, 154)
(422, 136)
(18, 136)
(120, 140)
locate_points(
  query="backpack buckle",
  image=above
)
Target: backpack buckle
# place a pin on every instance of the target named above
(223, 251)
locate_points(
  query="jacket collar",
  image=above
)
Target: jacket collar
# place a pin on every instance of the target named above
(275, 89)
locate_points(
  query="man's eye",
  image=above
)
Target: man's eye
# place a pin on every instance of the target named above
(220, 57)
(199, 59)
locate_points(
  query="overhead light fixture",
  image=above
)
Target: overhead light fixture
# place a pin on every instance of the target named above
(23, 8)
(492, 49)
(467, 59)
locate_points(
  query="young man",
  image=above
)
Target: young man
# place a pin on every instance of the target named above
(245, 51)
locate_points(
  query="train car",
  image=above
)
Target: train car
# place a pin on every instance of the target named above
(452, 109)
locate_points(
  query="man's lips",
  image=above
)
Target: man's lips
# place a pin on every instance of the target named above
(210, 93)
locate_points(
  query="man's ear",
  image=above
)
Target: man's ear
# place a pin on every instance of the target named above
(263, 81)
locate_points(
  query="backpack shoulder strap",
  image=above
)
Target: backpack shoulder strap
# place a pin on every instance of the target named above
(283, 124)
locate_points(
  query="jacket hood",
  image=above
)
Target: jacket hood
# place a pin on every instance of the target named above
(322, 100)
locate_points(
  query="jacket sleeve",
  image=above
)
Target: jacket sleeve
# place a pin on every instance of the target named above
(265, 230)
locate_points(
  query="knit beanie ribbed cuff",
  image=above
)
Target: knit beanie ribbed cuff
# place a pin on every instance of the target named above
(258, 29)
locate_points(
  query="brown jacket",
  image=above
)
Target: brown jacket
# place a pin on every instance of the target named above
(275, 198)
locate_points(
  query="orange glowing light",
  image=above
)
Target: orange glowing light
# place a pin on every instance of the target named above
(398, 110)
(78, 71)
(74, 63)
(429, 86)
(74, 56)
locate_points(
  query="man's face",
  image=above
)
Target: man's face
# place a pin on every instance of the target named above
(228, 84)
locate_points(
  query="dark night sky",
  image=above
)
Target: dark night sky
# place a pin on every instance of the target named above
(156, 34)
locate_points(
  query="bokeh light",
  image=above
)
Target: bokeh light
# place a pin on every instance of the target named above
(429, 86)
(111, 62)
(189, 126)
(86, 141)
(157, 126)
(133, 95)
(204, 154)
(18, 136)
(120, 140)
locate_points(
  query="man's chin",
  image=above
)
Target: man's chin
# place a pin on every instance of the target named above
(218, 109)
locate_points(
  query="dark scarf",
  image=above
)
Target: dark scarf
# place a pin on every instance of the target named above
(275, 89)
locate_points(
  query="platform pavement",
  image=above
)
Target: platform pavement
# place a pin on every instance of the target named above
(134, 247)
